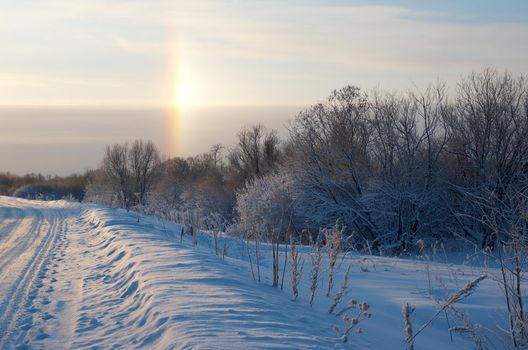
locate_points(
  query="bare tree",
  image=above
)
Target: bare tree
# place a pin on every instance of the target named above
(408, 140)
(433, 108)
(131, 170)
(144, 162)
(332, 162)
(115, 166)
(216, 153)
(487, 137)
(256, 153)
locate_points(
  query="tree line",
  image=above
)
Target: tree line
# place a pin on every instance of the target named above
(390, 168)
(38, 186)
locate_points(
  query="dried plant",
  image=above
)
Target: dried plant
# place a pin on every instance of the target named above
(352, 321)
(295, 269)
(316, 257)
(468, 328)
(407, 311)
(193, 234)
(464, 292)
(333, 244)
(342, 290)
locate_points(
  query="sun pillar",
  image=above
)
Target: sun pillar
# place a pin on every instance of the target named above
(182, 100)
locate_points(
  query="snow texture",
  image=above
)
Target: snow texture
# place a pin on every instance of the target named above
(78, 276)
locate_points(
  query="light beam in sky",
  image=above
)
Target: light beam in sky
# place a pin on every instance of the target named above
(183, 87)
(182, 97)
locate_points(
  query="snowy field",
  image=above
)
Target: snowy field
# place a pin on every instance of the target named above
(78, 276)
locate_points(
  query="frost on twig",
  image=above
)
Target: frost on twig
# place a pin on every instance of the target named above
(464, 292)
(407, 311)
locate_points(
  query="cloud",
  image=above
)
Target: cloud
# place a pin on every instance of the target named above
(141, 47)
(244, 52)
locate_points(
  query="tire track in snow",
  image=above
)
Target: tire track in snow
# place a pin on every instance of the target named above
(18, 298)
(18, 244)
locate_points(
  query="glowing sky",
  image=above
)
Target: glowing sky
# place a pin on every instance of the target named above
(257, 56)
(71, 52)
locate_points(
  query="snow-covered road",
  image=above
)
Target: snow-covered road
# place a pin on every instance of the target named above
(29, 236)
(73, 276)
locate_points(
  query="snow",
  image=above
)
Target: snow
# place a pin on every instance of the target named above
(78, 276)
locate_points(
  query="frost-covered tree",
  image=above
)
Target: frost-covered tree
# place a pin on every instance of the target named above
(394, 168)
(489, 146)
(265, 212)
(332, 164)
(408, 140)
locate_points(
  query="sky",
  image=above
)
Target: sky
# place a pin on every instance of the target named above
(253, 56)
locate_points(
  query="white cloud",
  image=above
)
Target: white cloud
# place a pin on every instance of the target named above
(245, 52)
